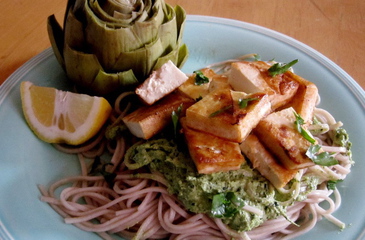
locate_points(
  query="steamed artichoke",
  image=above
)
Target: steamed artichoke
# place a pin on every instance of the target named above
(108, 45)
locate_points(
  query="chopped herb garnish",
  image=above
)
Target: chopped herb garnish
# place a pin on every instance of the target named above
(200, 78)
(257, 57)
(279, 68)
(175, 118)
(226, 205)
(108, 176)
(298, 123)
(222, 110)
(323, 158)
(99, 168)
(331, 184)
(198, 98)
(341, 138)
(244, 102)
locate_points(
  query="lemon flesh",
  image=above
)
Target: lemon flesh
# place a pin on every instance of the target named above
(57, 116)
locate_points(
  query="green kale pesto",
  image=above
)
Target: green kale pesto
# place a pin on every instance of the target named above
(196, 191)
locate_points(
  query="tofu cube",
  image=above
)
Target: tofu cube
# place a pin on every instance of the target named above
(160, 83)
(253, 77)
(195, 91)
(266, 163)
(245, 77)
(219, 114)
(305, 98)
(278, 133)
(219, 82)
(147, 121)
(211, 153)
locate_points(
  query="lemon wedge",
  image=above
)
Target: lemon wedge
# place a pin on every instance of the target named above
(57, 116)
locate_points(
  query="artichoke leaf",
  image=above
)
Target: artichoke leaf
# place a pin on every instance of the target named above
(154, 51)
(147, 31)
(108, 19)
(107, 43)
(71, 6)
(180, 20)
(168, 32)
(178, 56)
(78, 8)
(124, 19)
(74, 33)
(105, 83)
(115, 19)
(86, 72)
(183, 55)
(80, 67)
(146, 11)
(142, 60)
(56, 36)
(123, 7)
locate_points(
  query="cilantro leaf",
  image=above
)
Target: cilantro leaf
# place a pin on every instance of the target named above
(257, 57)
(278, 68)
(323, 158)
(225, 205)
(299, 121)
(175, 115)
(99, 168)
(108, 176)
(218, 205)
(243, 103)
(200, 78)
(331, 184)
(222, 110)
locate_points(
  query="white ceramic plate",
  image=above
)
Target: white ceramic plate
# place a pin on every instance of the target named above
(26, 161)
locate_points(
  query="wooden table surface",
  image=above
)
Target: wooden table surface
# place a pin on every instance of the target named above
(335, 28)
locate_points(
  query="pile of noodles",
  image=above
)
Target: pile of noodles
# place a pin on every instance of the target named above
(138, 205)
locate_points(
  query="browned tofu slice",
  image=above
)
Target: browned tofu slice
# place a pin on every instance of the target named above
(147, 121)
(219, 114)
(219, 82)
(278, 133)
(252, 77)
(265, 162)
(210, 153)
(305, 99)
(291, 91)
(195, 91)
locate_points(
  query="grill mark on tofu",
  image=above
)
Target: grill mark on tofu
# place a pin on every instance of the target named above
(211, 153)
(265, 162)
(240, 113)
(278, 134)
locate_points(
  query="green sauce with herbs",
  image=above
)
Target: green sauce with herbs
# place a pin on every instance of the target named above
(196, 191)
